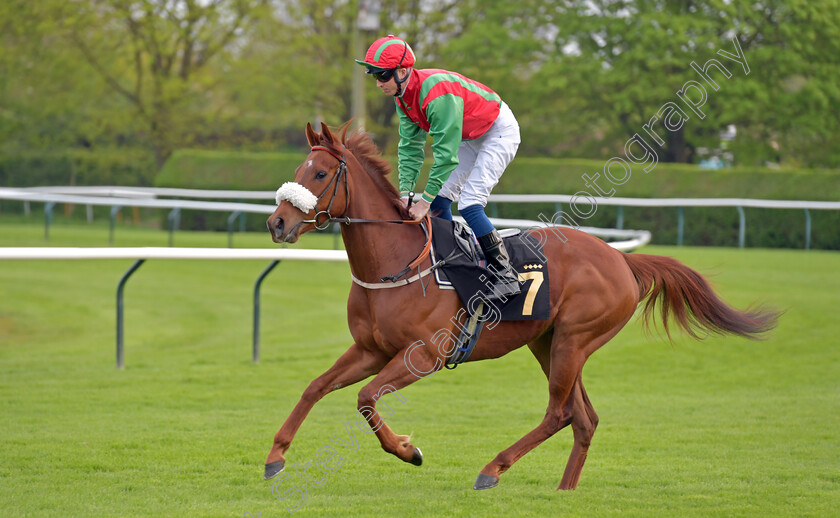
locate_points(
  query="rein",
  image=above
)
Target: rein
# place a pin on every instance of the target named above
(342, 172)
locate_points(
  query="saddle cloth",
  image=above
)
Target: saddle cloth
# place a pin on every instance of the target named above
(464, 270)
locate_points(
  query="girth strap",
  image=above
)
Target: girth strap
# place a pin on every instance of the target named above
(395, 284)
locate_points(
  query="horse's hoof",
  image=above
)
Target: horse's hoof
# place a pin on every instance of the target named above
(485, 481)
(417, 458)
(273, 469)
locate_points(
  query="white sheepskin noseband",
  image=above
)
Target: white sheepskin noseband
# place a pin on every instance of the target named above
(297, 195)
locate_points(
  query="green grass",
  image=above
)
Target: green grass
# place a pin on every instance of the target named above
(724, 427)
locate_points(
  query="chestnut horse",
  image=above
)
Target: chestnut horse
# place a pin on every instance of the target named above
(594, 291)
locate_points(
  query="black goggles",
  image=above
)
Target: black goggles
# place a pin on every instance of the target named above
(381, 74)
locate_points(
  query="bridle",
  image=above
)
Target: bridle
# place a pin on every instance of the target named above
(335, 182)
(342, 173)
(336, 179)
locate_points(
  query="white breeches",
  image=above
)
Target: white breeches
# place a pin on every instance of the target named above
(482, 161)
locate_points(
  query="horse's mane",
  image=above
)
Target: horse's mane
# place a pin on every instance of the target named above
(367, 153)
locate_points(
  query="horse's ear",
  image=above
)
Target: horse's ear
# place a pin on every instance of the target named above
(343, 131)
(311, 136)
(326, 134)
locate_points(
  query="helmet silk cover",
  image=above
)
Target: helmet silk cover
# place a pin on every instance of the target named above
(388, 52)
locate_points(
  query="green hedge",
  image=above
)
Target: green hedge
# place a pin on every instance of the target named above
(124, 167)
(226, 170)
(541, 175)
(266, 171)
(198, 169)
(127, 167)
(703, 226)
(767, 228)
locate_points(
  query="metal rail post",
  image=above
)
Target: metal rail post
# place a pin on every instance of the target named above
(336, 230)
(174, 218)
(113, 222)
(256, 349)
(742, 227)
(230, 221)
(120, 288)
(48, 212)
(807, 230)
(680, 226)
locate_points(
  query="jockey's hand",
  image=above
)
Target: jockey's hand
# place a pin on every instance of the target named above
(419, 210)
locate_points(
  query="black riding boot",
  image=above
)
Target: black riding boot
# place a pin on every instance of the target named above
(505, 280)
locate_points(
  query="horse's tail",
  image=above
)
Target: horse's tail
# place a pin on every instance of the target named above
(686, 296)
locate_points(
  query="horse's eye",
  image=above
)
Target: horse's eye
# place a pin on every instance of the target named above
(320, 175)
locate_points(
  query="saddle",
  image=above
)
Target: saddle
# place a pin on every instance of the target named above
(460, 265)
(464, 269)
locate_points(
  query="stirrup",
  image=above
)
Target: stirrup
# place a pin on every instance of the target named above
(502, 286)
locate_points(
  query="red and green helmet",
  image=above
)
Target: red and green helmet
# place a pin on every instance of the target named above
(389, 52)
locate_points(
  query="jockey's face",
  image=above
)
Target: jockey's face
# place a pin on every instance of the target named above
(389, 87)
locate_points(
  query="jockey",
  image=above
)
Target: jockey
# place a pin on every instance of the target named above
(474, 137)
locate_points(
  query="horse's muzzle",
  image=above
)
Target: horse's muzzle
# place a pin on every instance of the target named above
(276, 225)
(279, 232)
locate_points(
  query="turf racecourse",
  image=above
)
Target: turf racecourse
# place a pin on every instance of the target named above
(723, 427)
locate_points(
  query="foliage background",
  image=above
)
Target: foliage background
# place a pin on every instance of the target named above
(582, 76)
(204, 94)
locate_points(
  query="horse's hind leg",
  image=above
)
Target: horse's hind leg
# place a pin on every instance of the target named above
(567, 402)
(584, 422)
(565, 366)
(541, 349)
(584, 418)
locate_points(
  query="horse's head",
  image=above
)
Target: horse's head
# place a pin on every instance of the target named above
(319, 192)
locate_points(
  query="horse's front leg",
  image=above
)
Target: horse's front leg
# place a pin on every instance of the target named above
(354, 365)
(399, 373)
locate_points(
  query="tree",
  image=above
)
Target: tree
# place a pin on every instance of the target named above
(154, 54)
(614, 63)
(48, 97)
(582, 76)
